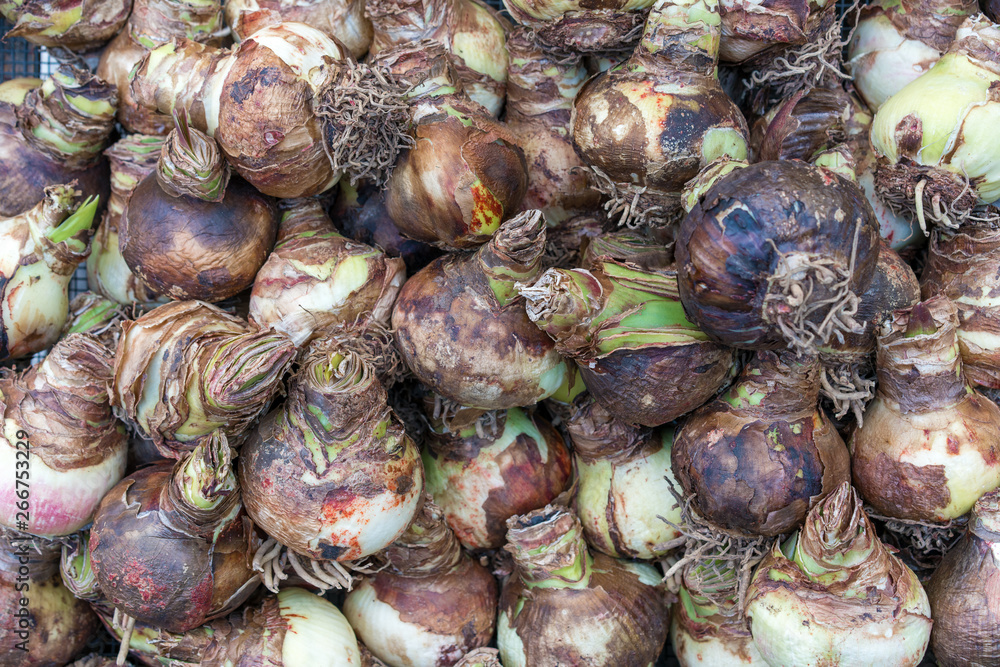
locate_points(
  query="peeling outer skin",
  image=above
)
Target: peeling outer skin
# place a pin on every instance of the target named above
(615, 620)
(59, 626)
(25, 171)
(801, 125)
(927, 466)
(459, 183)
(713, 640)
(479, 483)
(899, 181)
(620, 500)
(158, 367)
(255, 634)
(344, 20)
(963, 267)
(188, 248)
(873, 612)
(653, 386)
(157, 21)
(316, 279)
(650, 128)
(425, 621)
(49, 24)
(757, 465)
(471, 31)
(749, 28)
(154, 570)
(442, 318)
(360, 503)
(893, 287)
(966, 616)
(590, 30)
(540, 93)
(724, 257)
(58, 413)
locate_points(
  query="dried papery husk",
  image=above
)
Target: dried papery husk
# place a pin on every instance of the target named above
(899, 228)
(431, 605)
(151, 23)
(186, 368)
(343, 20)
(749, 29)
(565, 242)
(331, 474)
(41, 623)
(623, 495)
(132, 158)
(316, 279)
(323, 114)
(760, 456)
(965, 621)
(54, 136)
(564, 603)
(930, 443)
(462, 329)
(649, 125)
(42, 249)
(481, 476)
(471, 31)
(752, 279)
(187, 231)
(541, 87)
(360, 213)
(707, 626)
(935, 151)
(171, 546)
(834, 593)
(848, 378)
(465, 172)
(626, 330)
(801, 125)
(481, 657)
(896, 42)
(631, 247)
(79, 25)
(57, 423)
(367, 659)
(962, 265)
(581, 27)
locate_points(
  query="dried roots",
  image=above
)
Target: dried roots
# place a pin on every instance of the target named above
(921, 544)
(817, 62)
(122, 621)
(635, 207)
(848, 388)
(272, 560)
(703, 545)
(366, 120)
(804, 287)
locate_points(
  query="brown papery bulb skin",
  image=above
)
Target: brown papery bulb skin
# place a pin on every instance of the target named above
(541, 87)
(29, 164)
(480, 481)
(80, 25)
(963, 606)
(471, 341)
(166, 562)
(154, 22)
(41, 623)
(187, 248)
(930, 444)
(431, 605)
(962, 265)
(749, 29)
(760, 456)
(762, 232)
(799, 126)
(344, 20)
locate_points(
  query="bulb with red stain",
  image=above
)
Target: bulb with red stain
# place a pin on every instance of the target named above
(930, 444)
(331, 474)
(466, 172)
(171, 546)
